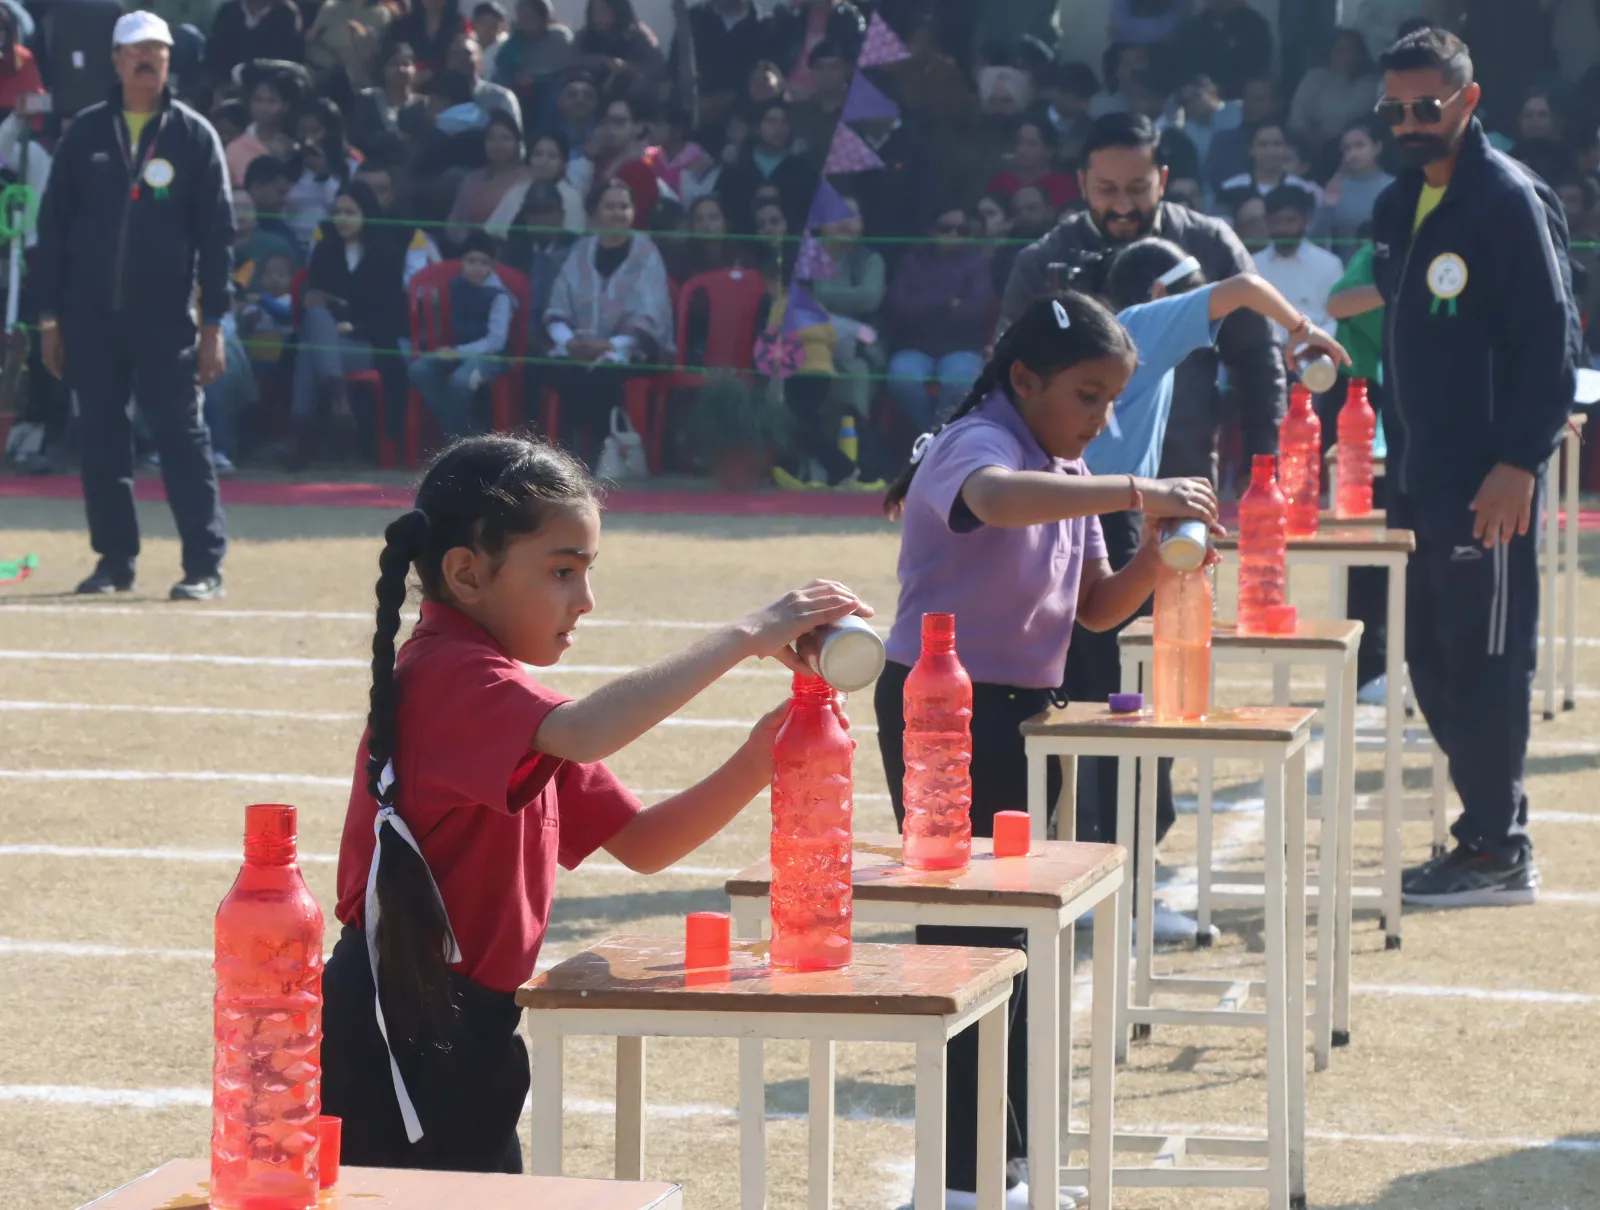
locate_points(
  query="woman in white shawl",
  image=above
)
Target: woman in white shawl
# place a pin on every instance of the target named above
(611, 310)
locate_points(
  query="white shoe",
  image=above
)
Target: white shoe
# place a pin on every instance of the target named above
(1016, 1199)
(223, 464)
(1375, 692)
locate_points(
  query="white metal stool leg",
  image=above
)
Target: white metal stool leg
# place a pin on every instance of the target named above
(1125, 826)
(549, 1077)
(819, 1123)
(1046, 1032)
(752, 1087)
(1295, 955)
(1275, 993)
(1393, 759)
(1144, 916)
(992, 1113)
(1108, 995)
(1205, 823)
(929, 1178)
(1329, 922)
(630, 1109)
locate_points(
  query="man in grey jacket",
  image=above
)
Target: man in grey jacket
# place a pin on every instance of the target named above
(1122, 181)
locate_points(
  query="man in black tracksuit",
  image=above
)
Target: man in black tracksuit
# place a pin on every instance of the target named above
(128, 228)
(1479, 359)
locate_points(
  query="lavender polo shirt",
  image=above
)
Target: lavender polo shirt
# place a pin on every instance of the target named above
(1014, 591)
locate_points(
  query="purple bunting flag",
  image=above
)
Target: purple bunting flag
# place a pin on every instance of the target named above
(813, 261)
(882, 45)
(866, 101)
(849, 154)
(801, 310)
(827, 207)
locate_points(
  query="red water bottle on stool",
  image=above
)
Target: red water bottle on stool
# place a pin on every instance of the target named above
(937, 833)
(1358, 426)
(1263, 550)
(267, 1075)
(1300, 462)
(812, 803)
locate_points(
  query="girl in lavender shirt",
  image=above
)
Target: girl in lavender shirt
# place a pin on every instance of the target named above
(1000, 529)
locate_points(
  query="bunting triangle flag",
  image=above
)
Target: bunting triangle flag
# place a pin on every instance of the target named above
(866, 101)
(16, 570)
(882, 44)
(813, 261)
(827, 207)
(849, 154)
(801, 310)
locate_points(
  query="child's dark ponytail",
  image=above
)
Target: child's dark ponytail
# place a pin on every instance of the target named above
(479, 493)
(1054, 334)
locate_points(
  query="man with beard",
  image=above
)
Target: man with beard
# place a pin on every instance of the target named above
(1122, 180)
(137, 221)
(1470, 256)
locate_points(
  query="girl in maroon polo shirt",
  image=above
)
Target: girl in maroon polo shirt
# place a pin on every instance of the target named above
(474, 780)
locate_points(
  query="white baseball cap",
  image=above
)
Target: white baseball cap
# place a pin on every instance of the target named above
(133, 28)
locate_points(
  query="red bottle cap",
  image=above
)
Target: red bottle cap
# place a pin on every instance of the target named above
(1126, 703)
(707, 939)
(1012, 832)
(1281, 619)
(331, 1129)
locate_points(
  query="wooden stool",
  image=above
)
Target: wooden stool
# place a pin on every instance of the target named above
(1339, 550)
(636, 987)
(1044, 893)
(182, 1183)
(1277, 737)
(1331, 645)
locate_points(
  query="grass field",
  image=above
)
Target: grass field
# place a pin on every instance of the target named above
(1469, 1083)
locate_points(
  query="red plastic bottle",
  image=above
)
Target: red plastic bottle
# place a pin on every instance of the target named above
(937, 834)
(1300, 462)
(267, 1076)
(1182, 644)
(1358, 425)
(1263, 526)
(812, 804)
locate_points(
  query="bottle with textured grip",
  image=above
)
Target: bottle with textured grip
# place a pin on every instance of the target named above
(937, 834)
(1300, 462)
(1182, 679)
(812, 805)
(267, 1074)
(1263, 526)
(1358, 426)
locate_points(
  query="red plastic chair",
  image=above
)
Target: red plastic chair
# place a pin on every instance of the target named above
(429, 299)
(733, 298)
(370, 380)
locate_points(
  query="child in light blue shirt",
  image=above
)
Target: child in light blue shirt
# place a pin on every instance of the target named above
(1162, 299)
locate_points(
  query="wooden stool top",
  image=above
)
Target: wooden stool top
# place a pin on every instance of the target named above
(1247, 724)
(1378, 518)
(181, 1185)
(1053, 874)
(1343, 538)
(887, 980)
(1310, 634)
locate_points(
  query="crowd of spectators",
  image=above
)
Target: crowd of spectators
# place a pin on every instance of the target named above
(577, 176)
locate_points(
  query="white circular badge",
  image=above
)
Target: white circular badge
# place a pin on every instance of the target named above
(1447, 275)
(158, 174)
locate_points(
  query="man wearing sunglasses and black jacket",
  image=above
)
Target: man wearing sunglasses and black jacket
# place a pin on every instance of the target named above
(1470, 255)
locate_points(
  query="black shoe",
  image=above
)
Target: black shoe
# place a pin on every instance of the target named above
(103, 583)
(198, 588)
(1470, 877)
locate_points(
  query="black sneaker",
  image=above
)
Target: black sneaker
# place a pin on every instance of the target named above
(198, 588)
(1469, 877)
(103, 582)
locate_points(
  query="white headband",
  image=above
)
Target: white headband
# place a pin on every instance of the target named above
(1179, 271)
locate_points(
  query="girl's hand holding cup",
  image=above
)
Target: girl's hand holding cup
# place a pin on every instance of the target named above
(772, 631)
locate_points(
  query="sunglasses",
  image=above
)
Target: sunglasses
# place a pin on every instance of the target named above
(1426, 110)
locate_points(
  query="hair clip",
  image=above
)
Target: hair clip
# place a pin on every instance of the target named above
(1179, 271)
(920, 446)
(1063, 320)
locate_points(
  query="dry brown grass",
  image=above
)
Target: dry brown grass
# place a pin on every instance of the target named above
(1442, 1103)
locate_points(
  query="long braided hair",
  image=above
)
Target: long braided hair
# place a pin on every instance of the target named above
(479, 493)
(1054, 334)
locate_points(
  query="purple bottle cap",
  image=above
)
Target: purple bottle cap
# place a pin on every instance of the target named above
(1126, 703)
